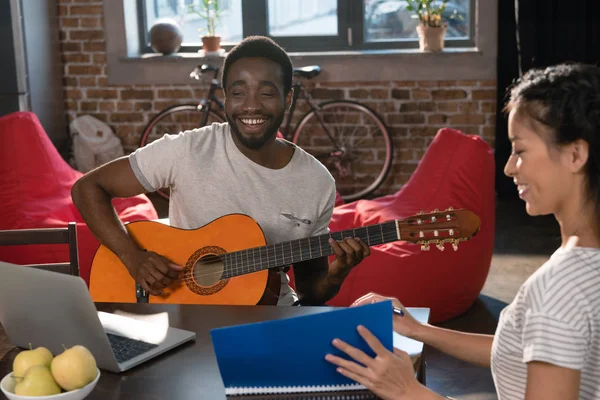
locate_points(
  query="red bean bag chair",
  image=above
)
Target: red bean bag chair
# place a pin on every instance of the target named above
(35, 192)
(457, 170)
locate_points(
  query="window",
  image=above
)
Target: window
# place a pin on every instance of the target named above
(310, 25)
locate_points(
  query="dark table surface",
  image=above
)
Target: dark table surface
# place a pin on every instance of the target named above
(189, 371)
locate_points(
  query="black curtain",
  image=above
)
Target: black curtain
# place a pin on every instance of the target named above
(538, 33)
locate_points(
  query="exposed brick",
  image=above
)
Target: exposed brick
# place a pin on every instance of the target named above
(488, 131)
(73, 94)
(467, 119)
(446, 83)
(161, 105)
(72, 105)
(87, 81)
(102, 94)
(358, 94)
(101, 116)
(489, 83)
(406, 119)
(427, 84)
(454, 94)
(409, 107)
(62, 36)
(468, 107)
(437, 119)
(102, 81)
(143, 106)
(484, 94)
(426, 106)
(488, 106)
(90, 22)
(70, 81)
(93, 47)
(88, 106)
(174, 94)
(133, 94)
(84, 69)
(69, 22)
(70, 47)
(402, 94)
(380, 93)
(420, 94)
(447, 106)
(124, 106)
(398, 131)
(469, 83)
(126, 117)
(423, 131)
(106, 106)
(85, 10)
(100, 58)
(63, 10)
(320, 93)
(124, 130)
(86, 35)
(76, 58)
(405, 83)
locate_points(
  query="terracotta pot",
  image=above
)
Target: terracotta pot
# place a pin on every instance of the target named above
(211, 43)
(431, 38)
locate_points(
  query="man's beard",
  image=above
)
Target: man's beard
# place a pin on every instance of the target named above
(255, 143)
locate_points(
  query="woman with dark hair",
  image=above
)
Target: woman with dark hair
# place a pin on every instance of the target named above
(547, 343)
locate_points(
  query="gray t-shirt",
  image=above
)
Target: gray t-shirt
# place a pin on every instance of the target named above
(209, 177)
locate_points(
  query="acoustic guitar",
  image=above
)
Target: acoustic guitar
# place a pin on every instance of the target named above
(228, 262)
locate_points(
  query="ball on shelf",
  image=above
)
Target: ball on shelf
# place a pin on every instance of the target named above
(165, 36)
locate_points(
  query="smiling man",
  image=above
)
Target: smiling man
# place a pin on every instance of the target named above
(236, 167)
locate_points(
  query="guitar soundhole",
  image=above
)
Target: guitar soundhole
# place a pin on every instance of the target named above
(203, 271)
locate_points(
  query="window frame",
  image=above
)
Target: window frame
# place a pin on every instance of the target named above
(350, 36)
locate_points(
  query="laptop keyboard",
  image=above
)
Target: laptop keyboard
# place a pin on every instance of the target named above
(125, 348)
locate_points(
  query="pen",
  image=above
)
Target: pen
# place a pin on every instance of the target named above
(398, 311)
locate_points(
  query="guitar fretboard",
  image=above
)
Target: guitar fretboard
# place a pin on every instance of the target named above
(286, 253)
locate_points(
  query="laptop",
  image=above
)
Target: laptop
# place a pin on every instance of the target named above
(51, 309)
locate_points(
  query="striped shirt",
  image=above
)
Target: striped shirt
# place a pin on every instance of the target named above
(554, 318)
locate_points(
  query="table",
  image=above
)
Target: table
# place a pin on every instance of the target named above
(189, 371)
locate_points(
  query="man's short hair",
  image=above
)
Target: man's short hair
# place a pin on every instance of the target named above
(260, 46)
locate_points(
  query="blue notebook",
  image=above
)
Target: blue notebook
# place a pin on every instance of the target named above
(288, 355)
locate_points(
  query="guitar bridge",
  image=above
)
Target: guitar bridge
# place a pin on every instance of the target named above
(140, 294)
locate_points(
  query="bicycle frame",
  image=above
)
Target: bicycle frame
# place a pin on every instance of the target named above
(298, 88)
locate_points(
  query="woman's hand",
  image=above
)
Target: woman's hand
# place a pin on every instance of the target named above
(388, 375)
(405, 325)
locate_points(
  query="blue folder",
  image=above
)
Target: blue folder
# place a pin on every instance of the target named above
(288, 355)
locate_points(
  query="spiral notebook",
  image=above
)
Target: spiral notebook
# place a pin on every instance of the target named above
(287, 356)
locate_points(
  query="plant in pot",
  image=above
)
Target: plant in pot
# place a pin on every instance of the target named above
(210, 11)
(432, 28)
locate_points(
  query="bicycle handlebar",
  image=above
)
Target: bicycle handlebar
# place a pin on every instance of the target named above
(201, 69)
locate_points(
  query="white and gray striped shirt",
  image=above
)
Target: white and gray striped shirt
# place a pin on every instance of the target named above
(554, 318)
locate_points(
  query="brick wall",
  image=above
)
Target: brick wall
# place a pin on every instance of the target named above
(413, 110)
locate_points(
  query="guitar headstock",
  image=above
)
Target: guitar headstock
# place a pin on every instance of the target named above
(439, 227)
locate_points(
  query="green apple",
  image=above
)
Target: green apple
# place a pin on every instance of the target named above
(74, 368)
(38, 381)
(29, 358)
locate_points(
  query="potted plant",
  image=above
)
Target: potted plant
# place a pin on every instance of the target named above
(431, 28)
(210, 11)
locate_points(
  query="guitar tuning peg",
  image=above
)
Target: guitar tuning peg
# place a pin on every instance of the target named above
(450, 208)
(435, 210)
(455, 245)
(421, 212)
(440, 246)
(425, 246)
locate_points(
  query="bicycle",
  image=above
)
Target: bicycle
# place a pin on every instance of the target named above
(359, 162)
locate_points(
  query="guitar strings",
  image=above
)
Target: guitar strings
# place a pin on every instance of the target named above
(243, 267)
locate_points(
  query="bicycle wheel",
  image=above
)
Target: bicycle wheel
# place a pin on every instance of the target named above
(358, 150)
(173, 120)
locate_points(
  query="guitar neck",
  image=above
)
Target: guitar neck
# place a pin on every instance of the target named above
(286, 253)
